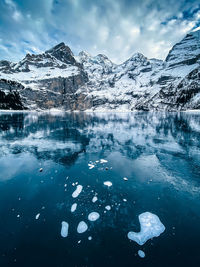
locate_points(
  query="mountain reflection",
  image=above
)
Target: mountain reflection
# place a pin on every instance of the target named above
(63, 137)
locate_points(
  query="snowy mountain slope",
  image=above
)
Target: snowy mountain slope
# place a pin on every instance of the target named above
(58, 79)
(46, 78)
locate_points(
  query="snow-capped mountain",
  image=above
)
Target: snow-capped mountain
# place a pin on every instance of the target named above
(58, 79)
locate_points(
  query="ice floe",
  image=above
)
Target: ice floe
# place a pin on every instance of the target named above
(108, 207)
(64, 229)
(73, 207)
(82, 227)
(103, 161)
(125, 179)
(37, 216)
(94, 199)
(91, 166)
(93, 216)
(141, 253)
(150, 226)
(108, 183)
(77, 191)
(89, 238)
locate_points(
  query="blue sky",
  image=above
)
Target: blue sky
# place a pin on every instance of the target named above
(116, 28)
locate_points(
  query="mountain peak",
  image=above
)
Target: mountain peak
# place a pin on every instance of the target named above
(63, 53)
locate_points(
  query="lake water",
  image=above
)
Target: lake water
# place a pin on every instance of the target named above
(159, 153)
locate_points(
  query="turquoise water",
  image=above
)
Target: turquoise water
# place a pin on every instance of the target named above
(159, 153)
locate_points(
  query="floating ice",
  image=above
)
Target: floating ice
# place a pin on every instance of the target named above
(73, 207)
(37, 216)
(103, 161)
(77, 191)
(125, 179)
(91, 166)
(150, 226)
(94, 199)
(141, 253)
(64, 229)
(108, 183)
(108, 207)
(93, 216)
(89, 238)
(82, 227)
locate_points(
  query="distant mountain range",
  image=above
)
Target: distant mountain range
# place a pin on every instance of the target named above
(58, 79)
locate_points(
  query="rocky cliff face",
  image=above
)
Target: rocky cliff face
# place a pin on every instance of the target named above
(58, 79)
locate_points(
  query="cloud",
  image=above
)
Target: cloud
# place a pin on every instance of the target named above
(115, 28)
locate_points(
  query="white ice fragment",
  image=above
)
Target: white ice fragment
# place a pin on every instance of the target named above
(94, 199)
(103, 161)
(89, 238)
(150, 226)
(93, 216)
(18, 216)
(124, 199)
(108, 183)
(97, 161)
(108, 207)
(77, 191)
(79, 241)
(73, 207)
(125, 179)
(82, 227)
(37, 216)
(91, 166)
(141, 253)
(64, 229)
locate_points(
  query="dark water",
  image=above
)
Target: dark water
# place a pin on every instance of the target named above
(158, 153)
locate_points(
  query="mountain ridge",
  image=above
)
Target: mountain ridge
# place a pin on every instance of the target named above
(58, 79)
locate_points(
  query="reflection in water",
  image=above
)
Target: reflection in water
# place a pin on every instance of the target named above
(154, 141)
(159, 153)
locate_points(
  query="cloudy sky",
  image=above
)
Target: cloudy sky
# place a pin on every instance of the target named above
(116, 28)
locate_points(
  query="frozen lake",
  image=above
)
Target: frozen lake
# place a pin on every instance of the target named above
(105, 189)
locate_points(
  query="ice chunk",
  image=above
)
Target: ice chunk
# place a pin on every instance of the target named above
(108, 207)
(141, 253)
(103, 161)
(108, 183)
(89, 238)
(150, 226)
(64, 229)
(93, 216)
(37, 216)
(125, 179)
(73, 207)
(77, 191)
(94, 199)
(91, 166)
(82, 227)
